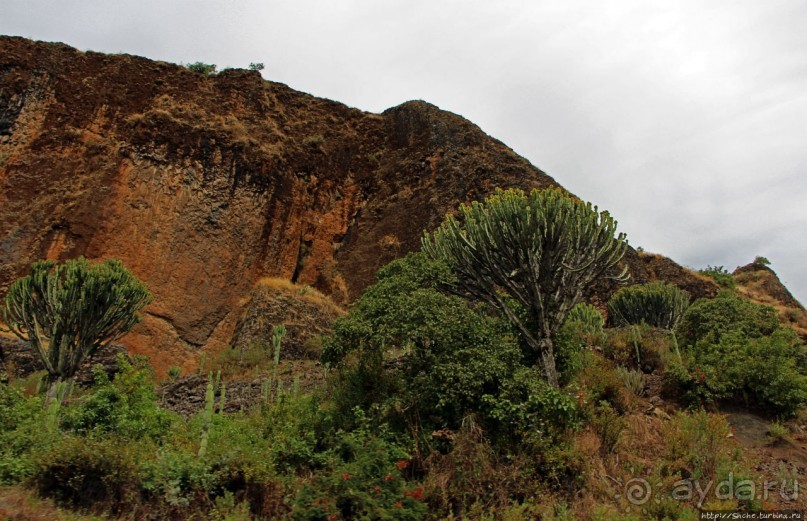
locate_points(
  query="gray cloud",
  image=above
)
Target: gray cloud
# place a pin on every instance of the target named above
(687, 120)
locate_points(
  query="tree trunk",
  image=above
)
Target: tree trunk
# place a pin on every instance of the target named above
(548, 362)
(58, 390)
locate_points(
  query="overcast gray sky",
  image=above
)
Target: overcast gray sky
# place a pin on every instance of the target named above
(686, 119)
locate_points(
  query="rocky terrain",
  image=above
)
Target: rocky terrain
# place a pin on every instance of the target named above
(204, 185)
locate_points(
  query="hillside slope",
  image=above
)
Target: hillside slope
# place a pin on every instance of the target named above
(204, 185)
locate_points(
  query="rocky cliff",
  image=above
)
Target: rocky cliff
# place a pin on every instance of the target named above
(205, 185)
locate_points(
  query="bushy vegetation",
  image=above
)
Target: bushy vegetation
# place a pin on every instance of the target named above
(656, 304)
(736, 350)
(417, 357)
(437, 406)
(710, 320)
(720, 275)
(206, 69)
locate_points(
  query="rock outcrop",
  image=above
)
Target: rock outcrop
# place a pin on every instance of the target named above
(203, 185)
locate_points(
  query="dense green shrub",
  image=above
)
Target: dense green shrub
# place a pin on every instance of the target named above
(769, 371)
(126, 406)
(656, 304)
(531, 410)
(365, 481)
(295, 430)
(101, 474)
(709, 319)
(176, 478)
(736, 350)
(422, 355)
(582, 330)
(25, 430)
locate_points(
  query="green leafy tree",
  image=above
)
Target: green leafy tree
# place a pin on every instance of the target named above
(208, 69)
(427, 356)
(531, 256)
(69, 311)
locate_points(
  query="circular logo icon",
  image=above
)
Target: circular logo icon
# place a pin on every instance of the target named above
(638, 491)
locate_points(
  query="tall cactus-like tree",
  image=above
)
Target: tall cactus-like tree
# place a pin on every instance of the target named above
(69, 311)
(537, 252)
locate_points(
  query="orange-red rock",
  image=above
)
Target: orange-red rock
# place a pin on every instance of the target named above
(203, 185)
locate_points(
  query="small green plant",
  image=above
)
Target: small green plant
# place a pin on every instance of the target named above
(697, 446)
(207, 69)
(609, 426)
(777, 431)
(207, 416)
(278, 333)
(256, 66)
(314, 140)
(174, 373)
(207, 413)
(202, 360)
(762, 261)
(720, 275)
(634, 380)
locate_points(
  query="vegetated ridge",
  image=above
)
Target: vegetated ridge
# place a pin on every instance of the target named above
(204, 185)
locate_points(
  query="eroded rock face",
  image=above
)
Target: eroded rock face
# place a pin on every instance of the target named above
(204, 185)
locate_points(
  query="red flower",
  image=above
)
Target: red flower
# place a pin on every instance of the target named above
(417, 493)
(402, 464)
(388, 478)
(332, 517)
(345, 476)
(376, 489)
(398, 505)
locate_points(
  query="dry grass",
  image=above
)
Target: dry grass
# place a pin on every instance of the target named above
(751, 288)
(306, 293)
(22, 505)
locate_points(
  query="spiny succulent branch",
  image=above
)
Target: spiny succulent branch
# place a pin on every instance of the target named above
(656, 304)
